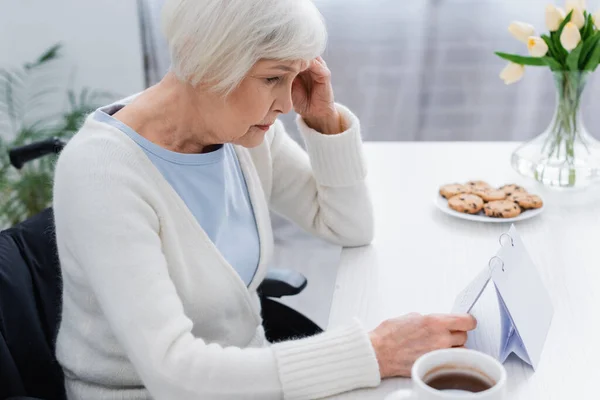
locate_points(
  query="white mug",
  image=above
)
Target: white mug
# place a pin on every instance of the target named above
(463, 361)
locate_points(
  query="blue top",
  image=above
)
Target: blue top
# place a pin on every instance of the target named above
(213, 187)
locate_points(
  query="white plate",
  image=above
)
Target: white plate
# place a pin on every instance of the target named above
(442, 204)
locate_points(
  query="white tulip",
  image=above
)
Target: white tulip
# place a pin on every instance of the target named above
(521, 31)
(575, 3)
(537, 46)
(577, 17)
(596, 18)
(554, 17)
(570, 36)
(512, 73)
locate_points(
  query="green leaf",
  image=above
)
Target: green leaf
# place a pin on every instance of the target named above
(565, 22)
(588, 47)
(551, 49)
(83, 95)
(27, 191)
(588, 28)
(552, 63)
(49, 55)
(72, 99)
(533, 61)
(573, 58)
(561, 52)
(593, 59)
(556, 37)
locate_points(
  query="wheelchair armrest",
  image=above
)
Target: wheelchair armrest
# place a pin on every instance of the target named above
(282, 282)
(23, 398)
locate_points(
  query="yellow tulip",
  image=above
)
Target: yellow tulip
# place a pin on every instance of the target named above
(554, 17)
(512, 73)
(570, 36)
(537, 46)
(521, 31)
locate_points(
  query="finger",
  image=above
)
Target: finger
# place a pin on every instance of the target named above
(319, 71)
(458, 338)
(459, 322)
(315, 65)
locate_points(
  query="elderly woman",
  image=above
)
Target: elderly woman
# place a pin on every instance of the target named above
(162, 220)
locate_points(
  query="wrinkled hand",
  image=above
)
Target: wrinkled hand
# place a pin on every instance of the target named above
(399, 342)
(312, 95)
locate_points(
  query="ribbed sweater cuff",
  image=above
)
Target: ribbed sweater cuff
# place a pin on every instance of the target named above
(337, 160)
(326, 364)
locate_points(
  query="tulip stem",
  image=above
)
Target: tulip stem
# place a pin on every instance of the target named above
(565, 129)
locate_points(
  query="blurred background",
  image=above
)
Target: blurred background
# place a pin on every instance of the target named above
(412, 70)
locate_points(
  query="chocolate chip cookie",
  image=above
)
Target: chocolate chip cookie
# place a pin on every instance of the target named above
(490, 194)
(453, 189)
(477, 185)
(466, 203)
(512, 188)
(527, 201)
(502, 209)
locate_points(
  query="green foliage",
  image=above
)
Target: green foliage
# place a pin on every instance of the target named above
(23, 92)
(552, 63)
(553, 52)
(523, 60)
(585, 57)
(573, 58)
(565, 22)
(588, 48)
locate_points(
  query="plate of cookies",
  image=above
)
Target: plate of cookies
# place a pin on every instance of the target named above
(479, 201)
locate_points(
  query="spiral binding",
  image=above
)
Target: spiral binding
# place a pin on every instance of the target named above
(512, 243)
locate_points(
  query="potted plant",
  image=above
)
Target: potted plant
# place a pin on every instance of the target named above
(564, 155)
(28, 191)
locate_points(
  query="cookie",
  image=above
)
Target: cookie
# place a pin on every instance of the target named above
(453, 189)
(512, 188)
(502, 209)
(466, 203)
(490, 194)
(527, 201)
(476, 185)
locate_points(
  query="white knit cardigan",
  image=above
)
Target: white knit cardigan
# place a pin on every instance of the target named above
(152, 310)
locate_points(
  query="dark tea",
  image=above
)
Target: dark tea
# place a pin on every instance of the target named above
(458, 381)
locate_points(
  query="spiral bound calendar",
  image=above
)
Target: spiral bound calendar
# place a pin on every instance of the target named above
(523, 305)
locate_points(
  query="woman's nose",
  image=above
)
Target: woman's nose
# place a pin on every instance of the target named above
(283, 103)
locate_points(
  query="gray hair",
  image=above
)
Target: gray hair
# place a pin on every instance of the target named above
(218, 41)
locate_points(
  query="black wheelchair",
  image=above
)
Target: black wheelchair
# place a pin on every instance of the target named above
(31, 290)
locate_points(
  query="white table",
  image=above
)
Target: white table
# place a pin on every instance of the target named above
(421, 258)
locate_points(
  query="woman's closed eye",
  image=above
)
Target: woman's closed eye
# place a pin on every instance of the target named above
(273, 80)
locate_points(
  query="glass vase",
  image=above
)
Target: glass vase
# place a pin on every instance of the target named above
(565, 155)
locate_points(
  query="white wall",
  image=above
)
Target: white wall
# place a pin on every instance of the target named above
(102, 47)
